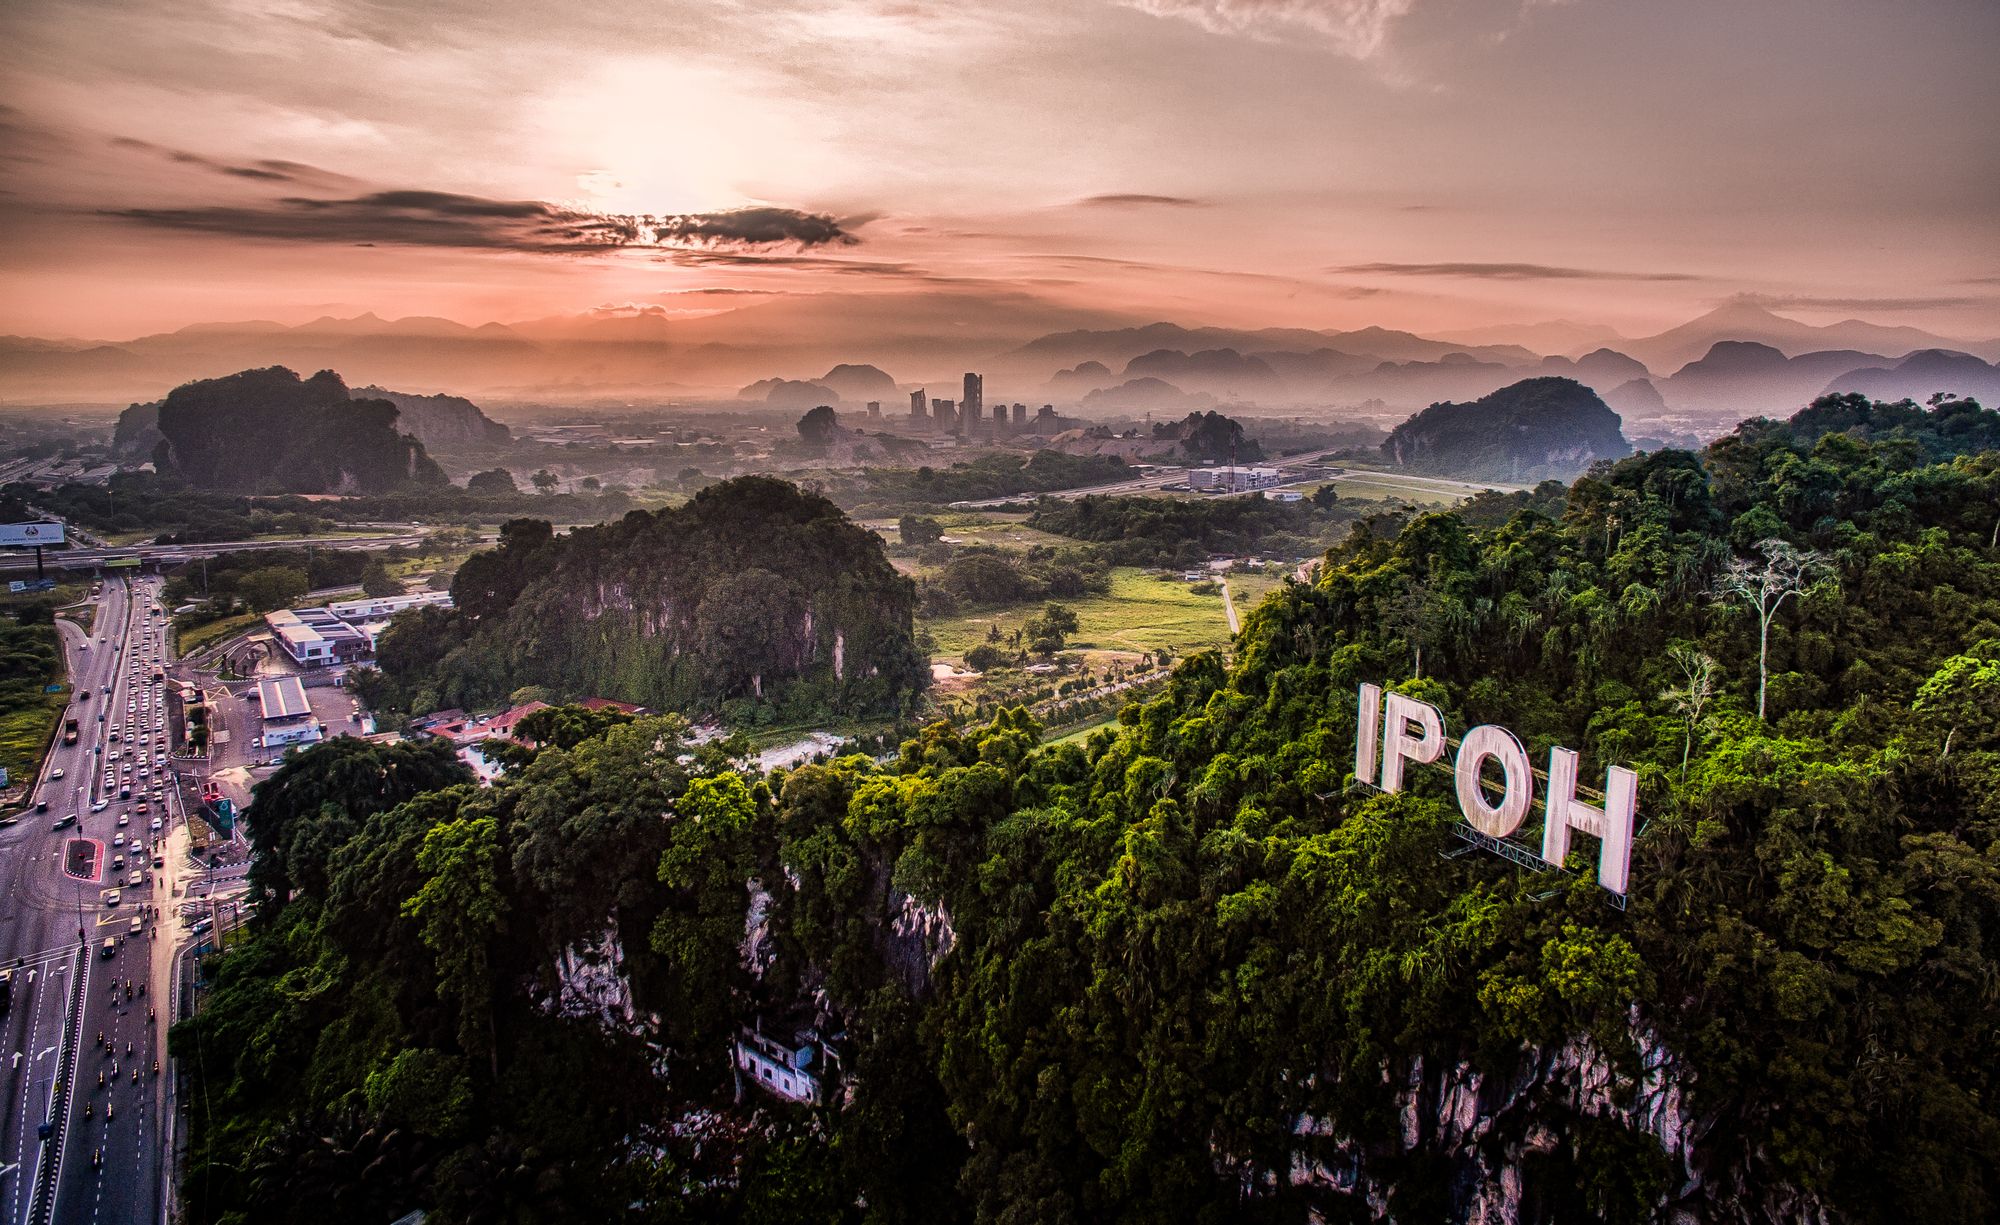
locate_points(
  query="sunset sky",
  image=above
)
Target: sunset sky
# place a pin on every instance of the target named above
(1427, 164)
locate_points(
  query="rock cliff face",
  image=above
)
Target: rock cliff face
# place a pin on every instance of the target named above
(269, 431)
(441, 423)
(1534, 430)
(1478, 1134)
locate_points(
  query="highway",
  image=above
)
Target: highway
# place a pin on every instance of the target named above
(22, 561)
(70, 1150)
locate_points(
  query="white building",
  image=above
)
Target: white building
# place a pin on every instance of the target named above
(382, 607)
(779, 1068)
(1228, 479)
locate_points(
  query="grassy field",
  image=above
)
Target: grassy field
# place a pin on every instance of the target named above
(1382, 486)
(28, 716)
(1250, 588)
(1139, 614)
(188, 641)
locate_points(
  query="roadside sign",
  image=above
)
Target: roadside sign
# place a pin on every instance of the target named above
(30, 534)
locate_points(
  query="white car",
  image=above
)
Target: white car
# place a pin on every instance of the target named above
(111, 898)
(118, 841)
(56, 773)
(124, 818)
(99, 806)
(156, 823)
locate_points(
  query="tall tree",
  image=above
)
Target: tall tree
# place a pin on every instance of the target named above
(1690, 699)
(1785, 571)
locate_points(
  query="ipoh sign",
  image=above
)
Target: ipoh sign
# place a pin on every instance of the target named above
(1402, 730)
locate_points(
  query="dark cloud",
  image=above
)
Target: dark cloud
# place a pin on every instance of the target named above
(422, 218)
(1132, 199)
(1508, 272)
(267, 169)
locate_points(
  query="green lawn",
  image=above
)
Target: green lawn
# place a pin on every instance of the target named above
(1140, 614)
(1380, 487)
(188, 641)
(25, 733)
(28, 716)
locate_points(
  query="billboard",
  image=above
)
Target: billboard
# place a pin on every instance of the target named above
(50, 534)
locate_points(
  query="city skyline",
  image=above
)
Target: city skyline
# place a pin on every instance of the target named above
(1433, 166)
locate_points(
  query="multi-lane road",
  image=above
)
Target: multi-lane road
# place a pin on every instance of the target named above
(17, 561)
(82, 1117)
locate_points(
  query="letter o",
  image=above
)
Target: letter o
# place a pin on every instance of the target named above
(1479, 744)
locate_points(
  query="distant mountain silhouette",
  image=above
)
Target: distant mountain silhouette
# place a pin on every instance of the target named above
(1557, 337)
(789, 393)
(1923, 374)
(1599, 369)
(1222, 372)
(1149, 395)
(1740, 378)
(1533, 430)
(1081, 379)
(1635, 399)
(1015, 338)
(859, 384)
(1749, 322)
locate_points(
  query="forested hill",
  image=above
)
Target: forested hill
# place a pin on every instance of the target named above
(1533, 430)
(752, 592)
(1186, 971)
(269, 431)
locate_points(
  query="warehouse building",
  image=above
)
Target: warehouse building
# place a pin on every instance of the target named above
(288, 716)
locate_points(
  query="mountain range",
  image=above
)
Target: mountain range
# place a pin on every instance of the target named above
(1736, 361)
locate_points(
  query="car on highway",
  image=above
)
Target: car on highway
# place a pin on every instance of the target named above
(64, 822)
(56, 773)
(99, 805)
(138, 927)
(110, 946)
(156, 823)
(112, 898)
(136, 880)
(124, 819)
(118, 841)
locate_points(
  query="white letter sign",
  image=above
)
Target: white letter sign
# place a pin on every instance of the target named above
(1398, 746)
(1612, 823)
(1413, 731)
(1497, 742)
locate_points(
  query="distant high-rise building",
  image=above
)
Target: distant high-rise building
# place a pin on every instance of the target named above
(1020, 416)
(945, 413)
(919, 406)
(973, 405)
(874, 410)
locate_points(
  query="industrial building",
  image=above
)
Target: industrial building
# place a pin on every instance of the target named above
(288, 717)
(344, 631)
(315, 638)
(1231, 479)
